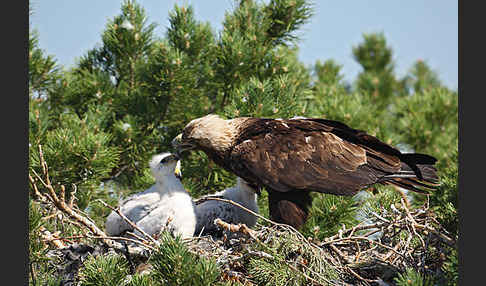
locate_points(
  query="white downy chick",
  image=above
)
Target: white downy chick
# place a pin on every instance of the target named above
(165, 200)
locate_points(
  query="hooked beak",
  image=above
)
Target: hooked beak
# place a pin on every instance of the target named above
(181, 146)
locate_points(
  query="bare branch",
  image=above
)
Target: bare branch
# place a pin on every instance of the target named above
(117, 210)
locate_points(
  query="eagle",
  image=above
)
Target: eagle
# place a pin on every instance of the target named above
(209, 210)
(151, 209)
(292, 157)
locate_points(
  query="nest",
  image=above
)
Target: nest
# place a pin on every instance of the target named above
(368, 253)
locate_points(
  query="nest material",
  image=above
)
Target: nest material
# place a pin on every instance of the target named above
(365, 254)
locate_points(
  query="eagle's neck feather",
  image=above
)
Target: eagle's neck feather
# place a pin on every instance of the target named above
(221, 134)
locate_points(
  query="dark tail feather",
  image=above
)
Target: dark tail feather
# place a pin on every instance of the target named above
(406, 186)
(417, 174)
(419, 163)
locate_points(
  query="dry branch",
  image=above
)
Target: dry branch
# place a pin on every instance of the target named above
(68, 207)
(117, 210)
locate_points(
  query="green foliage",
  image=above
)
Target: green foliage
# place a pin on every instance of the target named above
(413, 278)
(357, 111)
(141, 280)
(36, 248)
(427, 121)
(444, 201)
(262, 202)
(377, 78)
(77, 153)
(451, 268)
(174, 264)
(275, 98)
(202, 176)
(381, 198)
(249, 44)
(109, 270)
(287, 17)
(373, 54)
(84, 88)
(328, 73)
(43, 70)
(126, 42)
(274, 269)
(274, 273)
(41, 267)
(421, 77)
(39, 122)
(328, 214)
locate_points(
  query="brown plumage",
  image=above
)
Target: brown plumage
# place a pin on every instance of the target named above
(292, 157)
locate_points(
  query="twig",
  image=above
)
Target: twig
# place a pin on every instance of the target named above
(246, 209)
(262, 217)
(73, 196)
(390, 253)
(303, 274)
(32, 273)
(117, 210)
(241, 227)
(60, 204)
(47, 236)
(119, 172)
(340, 254)
(98, 237)
(38, 194)
(356, 257)
(358, 276)
(443, 237)
(403, 195)
(357, 228)
(412, 220)
(129, 259)
(137, 237)
(380, 217)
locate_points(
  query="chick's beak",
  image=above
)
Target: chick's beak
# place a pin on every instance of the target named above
(178, 171)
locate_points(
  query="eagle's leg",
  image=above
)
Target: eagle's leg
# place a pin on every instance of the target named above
(290, 208)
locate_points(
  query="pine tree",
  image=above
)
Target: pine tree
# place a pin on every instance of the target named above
(377, 77)
(100, 122)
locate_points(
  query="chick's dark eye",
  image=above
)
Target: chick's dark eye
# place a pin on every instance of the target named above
(164, 160)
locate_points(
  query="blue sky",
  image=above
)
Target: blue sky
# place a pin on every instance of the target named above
(415, 29)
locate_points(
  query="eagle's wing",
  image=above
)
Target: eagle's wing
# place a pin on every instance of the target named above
(294, 154)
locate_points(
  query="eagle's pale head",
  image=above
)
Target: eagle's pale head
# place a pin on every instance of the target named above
(164, 165)
(210, 132)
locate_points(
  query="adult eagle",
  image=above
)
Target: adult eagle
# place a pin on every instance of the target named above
(292, 157)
